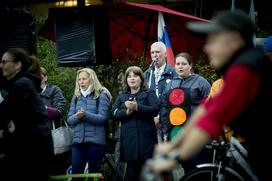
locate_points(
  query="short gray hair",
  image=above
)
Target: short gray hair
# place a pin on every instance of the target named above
(160, 44)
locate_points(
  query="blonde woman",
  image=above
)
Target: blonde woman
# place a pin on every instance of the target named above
(87, 116)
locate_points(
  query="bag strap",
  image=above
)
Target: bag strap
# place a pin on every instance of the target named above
(54, 127)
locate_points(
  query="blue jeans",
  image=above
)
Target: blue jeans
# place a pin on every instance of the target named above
(87, 153)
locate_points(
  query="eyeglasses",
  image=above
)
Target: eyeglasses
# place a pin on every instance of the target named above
(3, 62)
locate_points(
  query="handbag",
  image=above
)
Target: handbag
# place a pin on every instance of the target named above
(62, 138)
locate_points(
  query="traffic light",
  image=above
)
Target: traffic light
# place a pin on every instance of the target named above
(179, 108)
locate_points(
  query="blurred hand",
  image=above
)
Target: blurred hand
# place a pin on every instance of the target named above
(165, 138)
(157, 122)
(132, 105)
(128, 104)
(163, 165)
(129, 111)
(81, 113)
(163, 148)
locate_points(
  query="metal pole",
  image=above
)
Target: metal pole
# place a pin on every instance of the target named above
(147, 32)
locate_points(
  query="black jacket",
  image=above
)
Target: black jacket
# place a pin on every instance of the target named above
(168, 74)
(52, 97)
(24, 106)
(253, 123)
(138, 131)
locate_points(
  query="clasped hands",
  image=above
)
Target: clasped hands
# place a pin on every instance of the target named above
(131, 106)
(81, 113)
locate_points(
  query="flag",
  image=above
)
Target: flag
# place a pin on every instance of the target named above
(163, 37)
(252, 17)
(232, 5)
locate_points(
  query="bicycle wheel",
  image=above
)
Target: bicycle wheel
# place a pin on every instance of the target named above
(107, 167)
(212, 173)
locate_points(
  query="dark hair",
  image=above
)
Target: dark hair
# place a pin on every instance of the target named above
(185, 55)
(29, 62)
(137, 71)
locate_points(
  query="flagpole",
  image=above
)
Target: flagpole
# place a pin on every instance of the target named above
(147, 32)
(253, 19)
(232, 5)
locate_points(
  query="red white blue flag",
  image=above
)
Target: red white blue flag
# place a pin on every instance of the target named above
(163, 37)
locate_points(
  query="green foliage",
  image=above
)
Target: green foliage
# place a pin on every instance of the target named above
(202, 68)
(60, 76)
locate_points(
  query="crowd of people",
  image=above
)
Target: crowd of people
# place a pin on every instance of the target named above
(30, 106)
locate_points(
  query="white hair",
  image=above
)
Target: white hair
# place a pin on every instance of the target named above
(160, 44)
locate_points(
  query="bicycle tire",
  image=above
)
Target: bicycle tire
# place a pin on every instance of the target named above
(209, 173)
(107, 168)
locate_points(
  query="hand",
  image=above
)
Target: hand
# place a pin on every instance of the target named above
(163, 148)
(128, 104)
(132, 105)
(163, 165)
(157, 122)
(80, 114)
(129, 111)
(165, 138)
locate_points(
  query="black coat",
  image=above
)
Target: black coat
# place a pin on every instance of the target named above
(52, 97)
(168, 74)
(31, 141)
(138, 131)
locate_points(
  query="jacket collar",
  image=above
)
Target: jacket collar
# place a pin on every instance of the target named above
(167, 70)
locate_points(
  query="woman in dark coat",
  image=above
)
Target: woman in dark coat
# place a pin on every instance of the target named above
(135, 108)
(54, 101)
(28, 140)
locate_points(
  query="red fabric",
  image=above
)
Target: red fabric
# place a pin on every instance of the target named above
(170, 56)
(133, 28)
(166, 10)
(52, 112)
(131, 33)
(241, 85)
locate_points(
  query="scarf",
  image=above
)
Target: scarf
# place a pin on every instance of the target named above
(86, 92)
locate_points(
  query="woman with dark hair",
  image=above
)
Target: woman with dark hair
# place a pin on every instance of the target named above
(195, 87)
(54, 101)
(135, 108)
(28, 140)
(180, 98)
